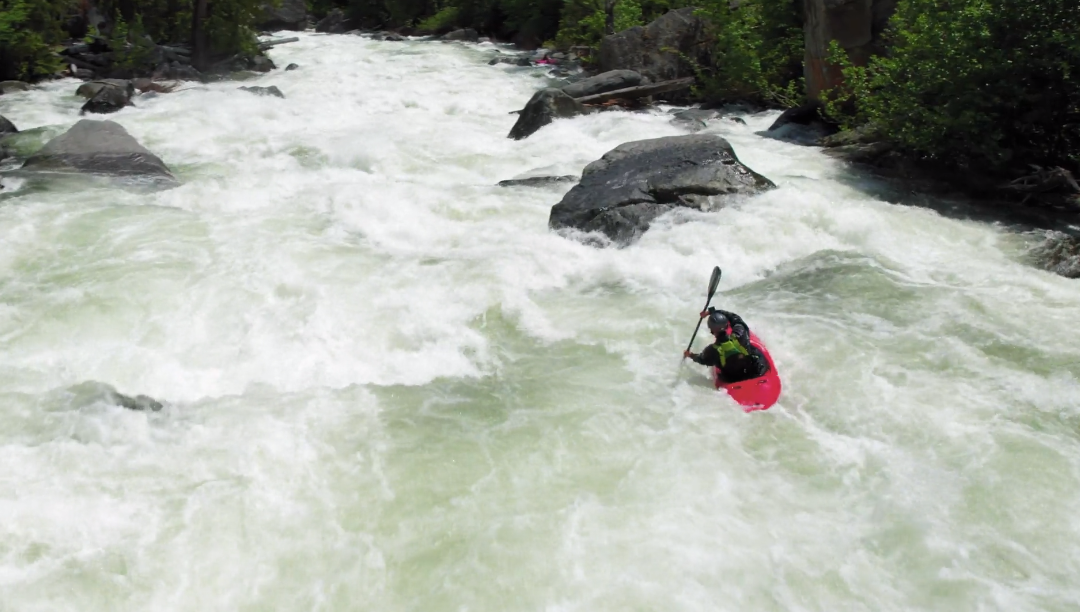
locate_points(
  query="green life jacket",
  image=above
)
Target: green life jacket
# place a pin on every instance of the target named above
(730, 348)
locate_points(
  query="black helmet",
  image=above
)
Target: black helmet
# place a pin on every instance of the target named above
(718, 323)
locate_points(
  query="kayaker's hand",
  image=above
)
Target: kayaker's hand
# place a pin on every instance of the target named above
(705, 313)
(686, 354)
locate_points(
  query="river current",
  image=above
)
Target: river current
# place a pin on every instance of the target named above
(388, 386)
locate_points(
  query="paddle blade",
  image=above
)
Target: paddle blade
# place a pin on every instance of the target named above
(714, 281)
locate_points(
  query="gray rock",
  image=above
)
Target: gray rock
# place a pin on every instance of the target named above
(466, 34)
(538, 181)
(264, 91)
(100, 147)
(291, 67)
(7, 127)
(603, 82)
(622, 192)
(654, 50)
(544, 107)
(286, 15)
(91, 89)
(109, 99)
(7, 87)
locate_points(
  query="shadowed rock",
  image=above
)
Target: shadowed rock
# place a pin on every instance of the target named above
(100, 147)
(544, 107)
(7, 127)
(622, 192)
(286, 15)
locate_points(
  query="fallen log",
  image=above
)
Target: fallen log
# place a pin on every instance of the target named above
(263, 46)
(640, 91)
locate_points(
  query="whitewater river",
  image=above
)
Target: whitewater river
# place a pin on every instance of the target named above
(390, 387)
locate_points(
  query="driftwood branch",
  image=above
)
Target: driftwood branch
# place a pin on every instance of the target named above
(263, 46)
(640, 91)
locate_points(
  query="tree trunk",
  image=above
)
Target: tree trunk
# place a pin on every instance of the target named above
(198, 35)
(609, 21)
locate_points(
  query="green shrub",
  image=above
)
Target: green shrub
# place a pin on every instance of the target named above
(29, 31)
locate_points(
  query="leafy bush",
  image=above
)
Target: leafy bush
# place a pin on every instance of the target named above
(442, 21)
(976, 83)
(28, 31)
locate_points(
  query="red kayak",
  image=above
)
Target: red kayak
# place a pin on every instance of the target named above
(757, 393)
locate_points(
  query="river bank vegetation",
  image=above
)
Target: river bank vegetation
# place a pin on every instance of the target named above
(976, 84)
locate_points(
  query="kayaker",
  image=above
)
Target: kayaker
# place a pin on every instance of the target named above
(732, 352)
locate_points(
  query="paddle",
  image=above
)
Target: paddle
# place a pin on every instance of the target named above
(713, 282)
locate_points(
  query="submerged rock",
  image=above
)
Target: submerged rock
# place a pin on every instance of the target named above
(92, 392)
(264, 91)
(622, 192)
(102, 148)
(544, 107)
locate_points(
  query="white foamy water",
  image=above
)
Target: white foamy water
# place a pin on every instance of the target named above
(390, 387)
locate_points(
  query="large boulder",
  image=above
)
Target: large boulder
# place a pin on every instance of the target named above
(856, 25)
(283, 15)
(100, 147)
(654, 50)
(623, 191)
(603, 83)
(544, 107)
(7, 127)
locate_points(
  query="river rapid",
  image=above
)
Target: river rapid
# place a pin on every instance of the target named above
(390, 387)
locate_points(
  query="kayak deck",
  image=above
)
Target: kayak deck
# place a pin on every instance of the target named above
(757, 393)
